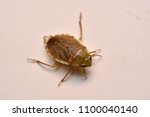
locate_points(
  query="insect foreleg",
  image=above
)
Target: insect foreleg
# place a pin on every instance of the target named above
(82, 71)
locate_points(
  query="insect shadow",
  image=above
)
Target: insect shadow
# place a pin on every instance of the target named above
(69, 51)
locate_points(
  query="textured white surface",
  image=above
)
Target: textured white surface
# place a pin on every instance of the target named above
(121, 28)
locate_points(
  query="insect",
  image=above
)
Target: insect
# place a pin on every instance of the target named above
(67, 50)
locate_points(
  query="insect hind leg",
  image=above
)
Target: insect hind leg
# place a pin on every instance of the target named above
(65, 77)
(42, 63)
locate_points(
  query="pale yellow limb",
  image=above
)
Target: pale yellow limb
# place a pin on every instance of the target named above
(40, 62)
(80, 26)
(82, 71)
(65, 77)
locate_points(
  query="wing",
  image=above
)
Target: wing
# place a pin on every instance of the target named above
(63, 47)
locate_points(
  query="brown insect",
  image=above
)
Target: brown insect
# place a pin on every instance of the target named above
(69, 51)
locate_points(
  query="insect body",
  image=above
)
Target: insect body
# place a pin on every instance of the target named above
(67, 50)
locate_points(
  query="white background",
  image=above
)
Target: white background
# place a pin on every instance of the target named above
(121, 28)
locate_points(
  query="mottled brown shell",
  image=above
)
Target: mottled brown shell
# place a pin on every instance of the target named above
(65, 48)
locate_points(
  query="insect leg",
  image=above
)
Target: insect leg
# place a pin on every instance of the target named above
(82, 71)
(80, 26)
(65, 77)
(40, 62)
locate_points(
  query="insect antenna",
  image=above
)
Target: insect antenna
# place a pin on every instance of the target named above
(94, 53)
